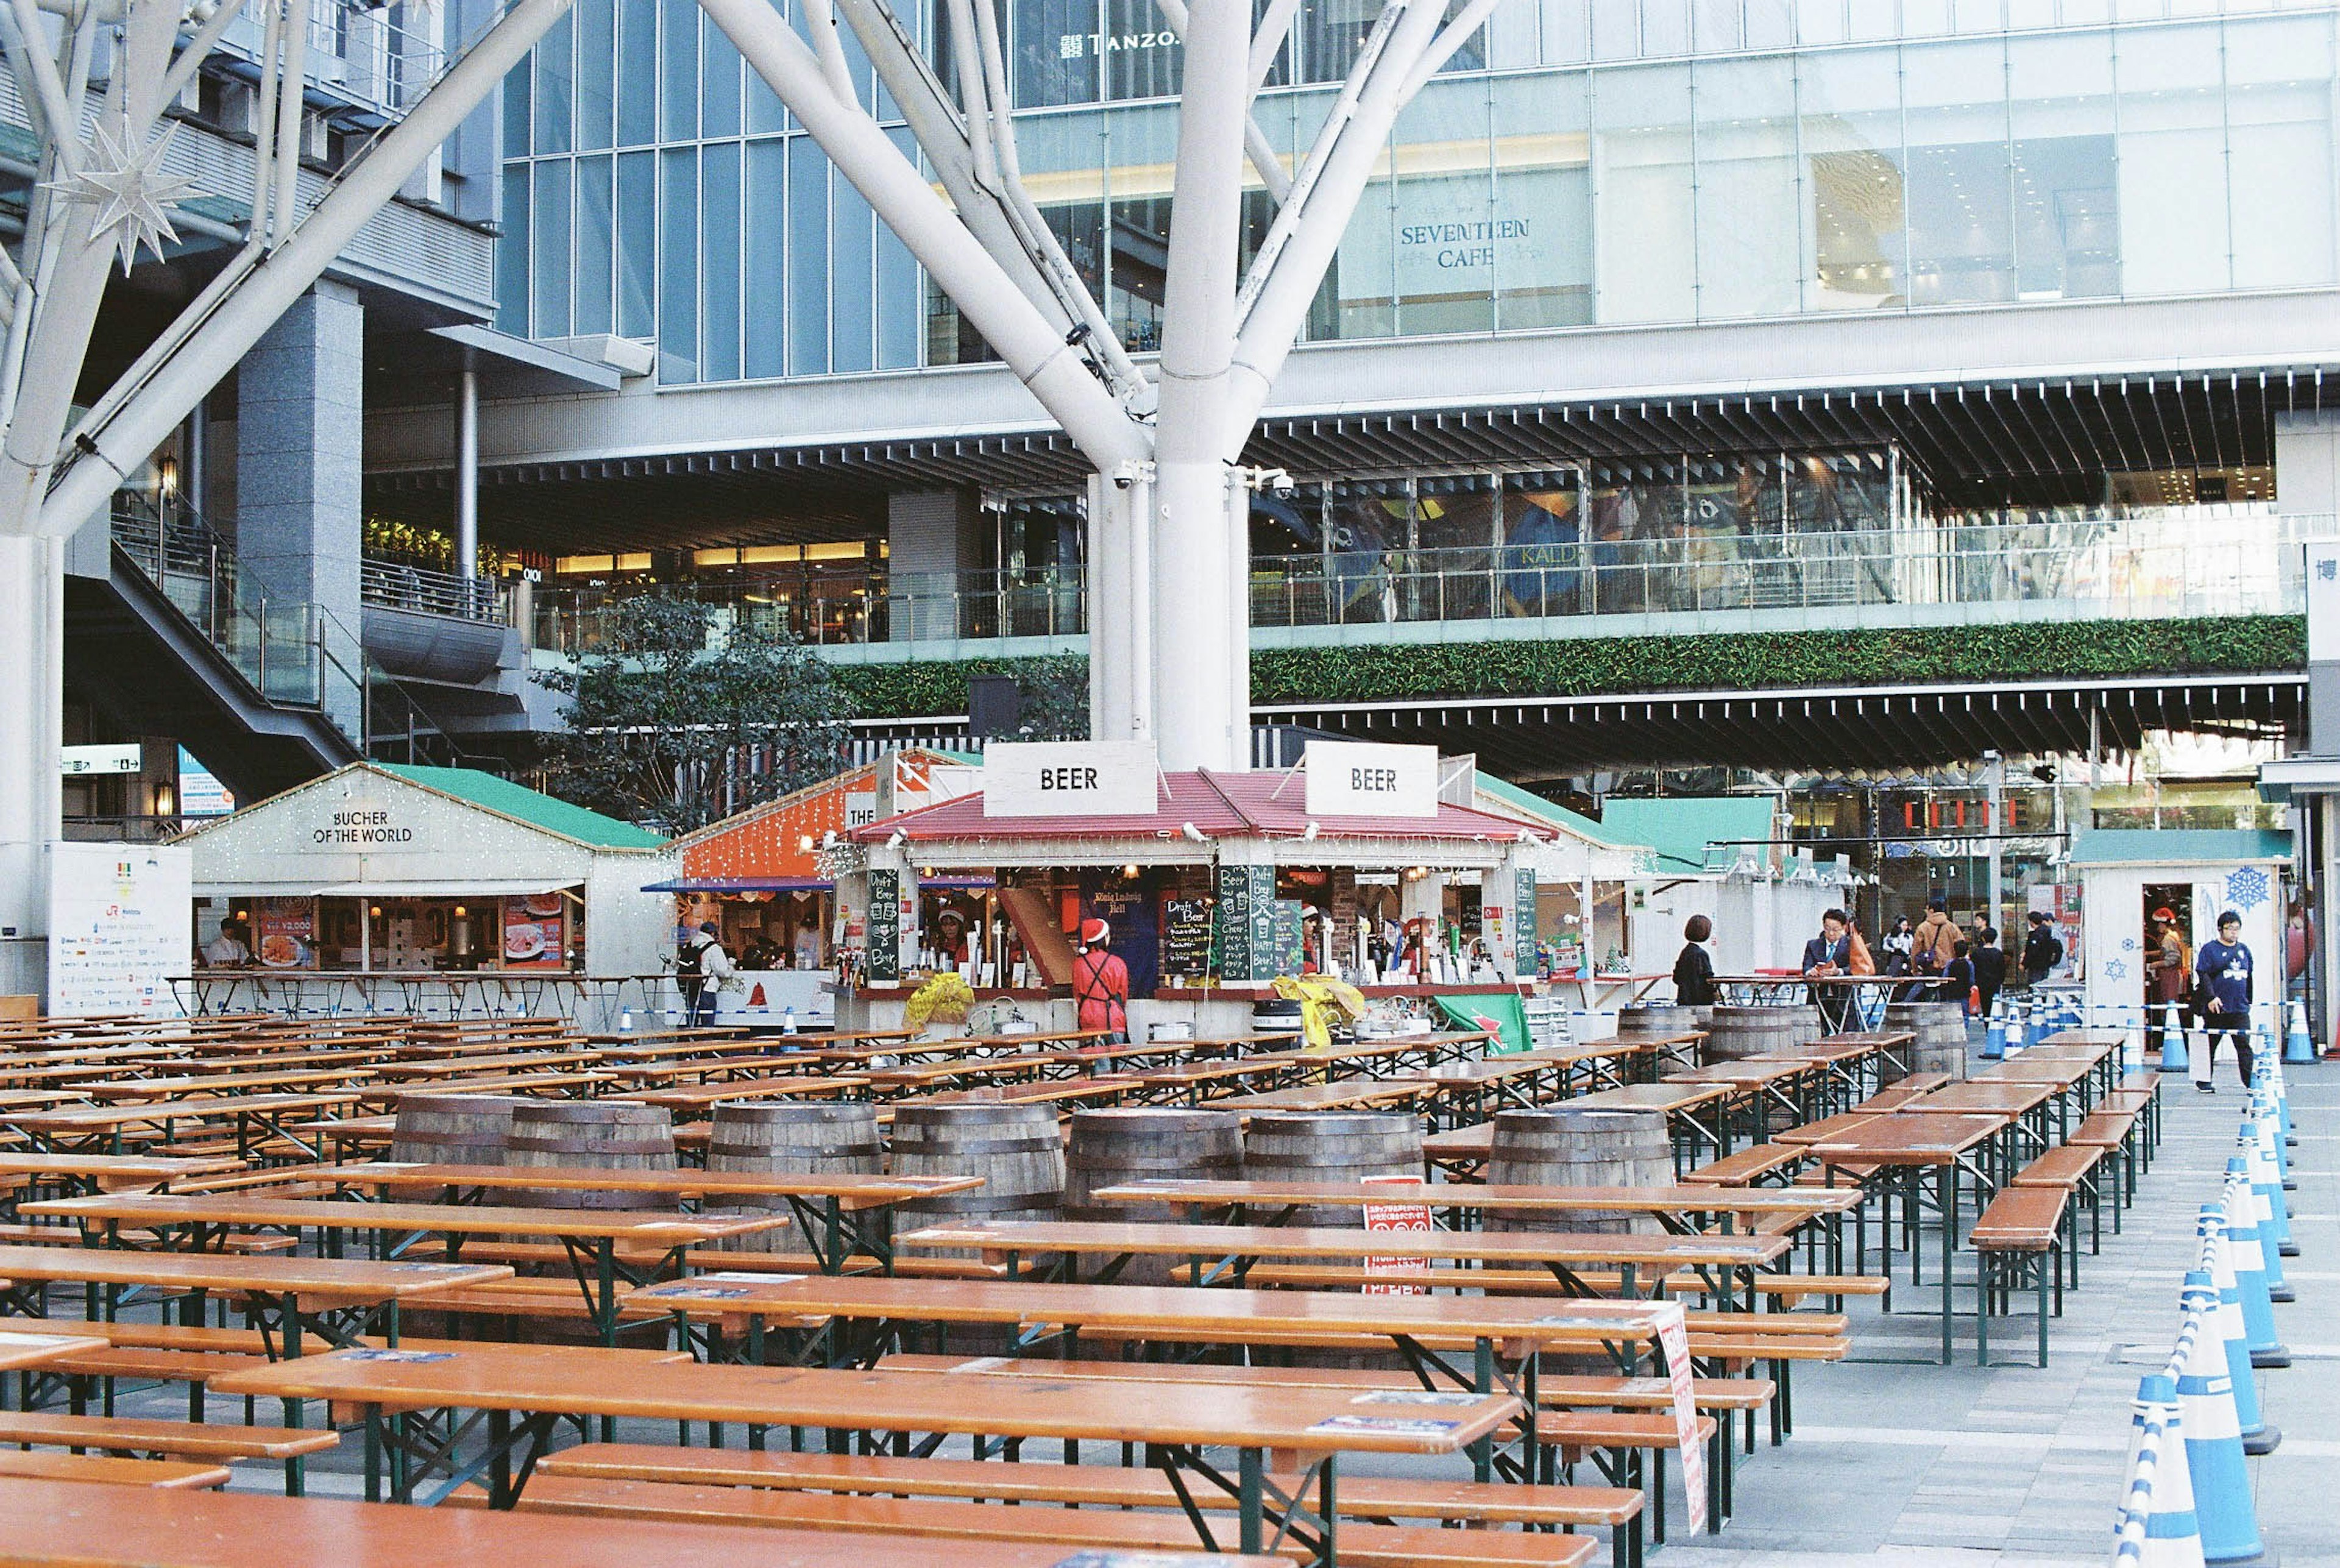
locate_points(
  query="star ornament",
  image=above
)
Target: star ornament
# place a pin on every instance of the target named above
(123, 180)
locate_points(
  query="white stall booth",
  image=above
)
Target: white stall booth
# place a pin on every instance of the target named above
(2126, 875)
(435, 892)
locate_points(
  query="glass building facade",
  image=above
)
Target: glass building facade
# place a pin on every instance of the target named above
(1581, 164)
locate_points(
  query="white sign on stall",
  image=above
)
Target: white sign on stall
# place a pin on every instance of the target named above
(1367, 779)
(121, 921)
(1068, 779)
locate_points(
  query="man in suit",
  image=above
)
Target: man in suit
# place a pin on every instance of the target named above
(1830, 953)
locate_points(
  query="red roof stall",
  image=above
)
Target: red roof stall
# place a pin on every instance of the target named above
(1212, 883)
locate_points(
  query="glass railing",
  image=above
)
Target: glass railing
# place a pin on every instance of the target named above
(2145, 568)
(394, 585)
(274, 643)
(2155, 566)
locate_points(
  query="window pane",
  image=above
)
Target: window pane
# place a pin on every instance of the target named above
(1959, 173)
(597, 41)
(899, 307)
(2280, 129)
(636, 244)
(1749, 204)
(679, 266)
(1567, 27)
(719, 104)
(718, 212)
(1849, 114)
(516, 110)
(807, 312)
(765, 258)
(637, 87)
(549, 269)
(1644, 229)
(594, 286)
(852, 261)
(2173, 161)
(512, 255)
(1543, 204)
(1059, 49)
(2066, 190)
(553, 87)
(1142, 55)
(1331, 31)
(1446, 238)
(679, 70)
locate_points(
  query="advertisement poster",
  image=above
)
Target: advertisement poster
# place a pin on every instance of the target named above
(1674, 1338)
(121, 923)
(1396, 1218)
(534, 932)
(285, 933)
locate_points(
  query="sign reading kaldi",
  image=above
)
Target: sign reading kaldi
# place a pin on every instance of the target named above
(1068, 779)
(1362, 778)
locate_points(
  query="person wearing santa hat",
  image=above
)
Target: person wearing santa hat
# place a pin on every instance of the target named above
(1101, 984)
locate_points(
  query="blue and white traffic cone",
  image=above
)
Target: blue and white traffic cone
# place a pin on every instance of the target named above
(2297, 1046)
(2223, 1508)
(2263, 1210)
(2133, 1047)
(2158, 1527)
(2250, 1269)
(2172, 1041)
(2267, 1176)
(1993, 1034)
(2259, 1435)
(2019, 1031)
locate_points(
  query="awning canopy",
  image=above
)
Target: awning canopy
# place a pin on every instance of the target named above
(740, 884)
(483, 887)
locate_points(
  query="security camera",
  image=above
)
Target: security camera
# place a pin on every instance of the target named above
(1121, 480)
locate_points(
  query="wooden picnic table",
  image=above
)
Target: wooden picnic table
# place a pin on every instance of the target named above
(1345, 1095)
(21, 1351)
(197, 1087)
(458, 1067)
(700, 1099)
(71, 1525)
(1457, 1093)
(2027, 1105)
(92, 1173)
(593, 1237)
(1236, 1247)
(1189, 1081)
(1179, 1422)
(1896, 1150)
(257, 1119)
(1275, 1201)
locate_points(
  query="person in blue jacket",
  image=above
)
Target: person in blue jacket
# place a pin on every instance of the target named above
(2224, 970)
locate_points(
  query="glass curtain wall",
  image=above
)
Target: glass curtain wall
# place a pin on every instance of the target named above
(1650, 161)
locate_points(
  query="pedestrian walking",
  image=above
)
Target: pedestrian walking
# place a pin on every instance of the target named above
(700, 968)
(2224, 970)
(2043, 949)
(1932, 945)
(1958, 977)
(1990, 962)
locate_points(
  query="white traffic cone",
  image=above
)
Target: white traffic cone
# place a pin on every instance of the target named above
(2158, 1526)
(2223, 1506)
(2250, 1268)
(2259, 1435)
(2172, 1041)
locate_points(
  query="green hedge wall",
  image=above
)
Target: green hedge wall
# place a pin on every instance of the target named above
(1728, 661)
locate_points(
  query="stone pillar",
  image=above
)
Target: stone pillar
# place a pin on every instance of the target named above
(300, 451)
(931, 537)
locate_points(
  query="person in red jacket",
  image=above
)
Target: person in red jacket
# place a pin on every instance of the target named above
(1101, 984)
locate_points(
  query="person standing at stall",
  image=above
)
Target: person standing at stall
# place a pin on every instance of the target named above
(2224, 968)
(1101, 984)
(2168, 977)
(1828, 955)
(2043, 949)
(1694, 968)
(226, 951)
(701, 969)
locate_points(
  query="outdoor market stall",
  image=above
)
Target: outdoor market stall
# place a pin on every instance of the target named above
(432, 891)
(1212, 884)
(764, 879)
(2126, 874)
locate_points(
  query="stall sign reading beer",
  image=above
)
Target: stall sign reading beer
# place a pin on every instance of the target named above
(1364, 778)
(1068, 779)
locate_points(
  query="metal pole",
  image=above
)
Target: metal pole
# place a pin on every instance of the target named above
(467, 472)
(1994, 786)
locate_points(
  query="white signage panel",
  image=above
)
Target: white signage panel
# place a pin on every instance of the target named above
(1068, 779)
(78, 760)
(2324, 603)
(1367, 778)
(121, 922)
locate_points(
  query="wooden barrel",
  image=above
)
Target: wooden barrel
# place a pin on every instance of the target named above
(757, 1138)
(1138, 1144)
(1016, 1149)
(452, 1129)
(1564, 1147)
(1656, 1018)
(1733, 1033)
(1331, 1147)
(1942, 1043)
(602, 1135)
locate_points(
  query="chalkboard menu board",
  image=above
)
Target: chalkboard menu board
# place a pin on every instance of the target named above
(1286, 927)
(884, 960)
(1246, 922)
(1186, 935)
(1523, 884)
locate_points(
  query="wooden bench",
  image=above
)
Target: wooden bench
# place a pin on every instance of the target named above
(2017, 1240)
(178, 1439)
(1374, 1498)
(2116, 1133)
(170, 1474)
(1748, 1167)
(1363, 1545)
(1540, 1282)
(2074, 1167)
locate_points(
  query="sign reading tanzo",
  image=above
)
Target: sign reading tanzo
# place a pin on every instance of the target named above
(1068, 779)
(1361, 778)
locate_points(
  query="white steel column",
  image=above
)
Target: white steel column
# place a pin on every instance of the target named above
(32, 726)
(1194, 560)
(1122, 652)
(467, 470)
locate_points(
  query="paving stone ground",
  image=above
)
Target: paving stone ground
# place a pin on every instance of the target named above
(1913, 1464)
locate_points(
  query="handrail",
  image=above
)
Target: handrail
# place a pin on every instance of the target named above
(394, 585)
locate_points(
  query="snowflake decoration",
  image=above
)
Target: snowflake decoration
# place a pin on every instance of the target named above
(123, 180)
(2116, 969)
(2128, 944)
(2247, 887)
